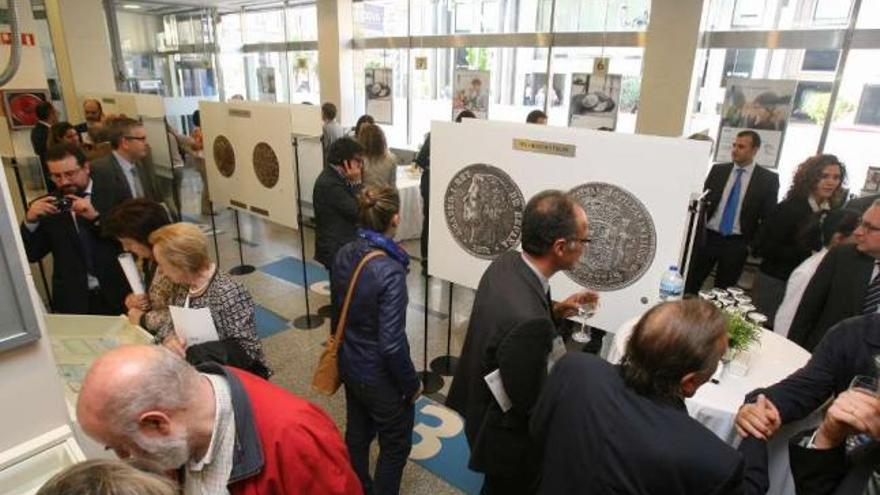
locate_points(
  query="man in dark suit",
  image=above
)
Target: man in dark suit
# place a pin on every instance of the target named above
(335, 199)
(847, 350)
(94, 114)
(46, 116)
(86, 276)
(512, 329)
(626, 430)
(819, 459)
(741, 195)
(845, 284)
(124, 169)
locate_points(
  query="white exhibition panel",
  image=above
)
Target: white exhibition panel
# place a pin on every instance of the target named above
(661, 172)
(245, 125)
(311, 162)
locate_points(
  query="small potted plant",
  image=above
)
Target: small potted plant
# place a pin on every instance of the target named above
(742, 334)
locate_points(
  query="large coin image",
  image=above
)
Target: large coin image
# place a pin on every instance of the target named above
(224, 156)
(266, 165)
(484, 209)
(624, 240)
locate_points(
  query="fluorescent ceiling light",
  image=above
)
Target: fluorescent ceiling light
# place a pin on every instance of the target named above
(132, 6)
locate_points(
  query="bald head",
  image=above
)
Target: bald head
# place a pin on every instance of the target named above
(129, 380)
(673, 343)
(93, 111)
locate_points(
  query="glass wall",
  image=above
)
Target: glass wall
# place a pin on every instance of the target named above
(808, 58)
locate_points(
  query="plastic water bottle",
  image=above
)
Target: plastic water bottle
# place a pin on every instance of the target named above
(671, 285)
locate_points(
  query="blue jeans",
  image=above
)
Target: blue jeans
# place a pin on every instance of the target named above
(378, 410)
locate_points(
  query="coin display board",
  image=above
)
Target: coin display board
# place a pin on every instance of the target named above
(634, 188)
(249, 155)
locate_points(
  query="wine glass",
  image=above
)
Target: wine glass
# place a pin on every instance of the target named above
(867, 385)
(586, 310)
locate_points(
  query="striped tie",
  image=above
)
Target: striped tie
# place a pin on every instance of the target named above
(872, 296)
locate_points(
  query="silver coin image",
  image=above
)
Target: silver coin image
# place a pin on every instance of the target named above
(623, 238)
(484, 209)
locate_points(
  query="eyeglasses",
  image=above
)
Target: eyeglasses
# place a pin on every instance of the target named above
(584, 241)
(867, 226)
(136, 138)
(70, 174)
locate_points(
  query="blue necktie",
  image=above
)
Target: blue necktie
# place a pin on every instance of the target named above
(728, 217)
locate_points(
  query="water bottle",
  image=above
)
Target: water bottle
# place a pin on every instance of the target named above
(671, 285)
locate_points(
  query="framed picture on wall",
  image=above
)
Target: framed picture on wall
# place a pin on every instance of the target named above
(21, 106)
(872, 180)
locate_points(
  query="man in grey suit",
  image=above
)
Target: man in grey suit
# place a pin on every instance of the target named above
(124, 167)
(513, 329)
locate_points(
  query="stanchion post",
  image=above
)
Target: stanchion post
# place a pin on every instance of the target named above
(214, 232)
(242, 268)
(307, 321)
(445, 365)
(431, 381)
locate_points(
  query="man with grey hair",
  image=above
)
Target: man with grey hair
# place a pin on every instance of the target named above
(846, 284)
(625, 429)
(228, 430)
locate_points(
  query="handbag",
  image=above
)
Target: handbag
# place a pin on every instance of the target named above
(326, 378)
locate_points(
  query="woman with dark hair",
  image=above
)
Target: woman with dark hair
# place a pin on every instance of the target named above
(64, 132)
(380, 165)
(364, 119)
(791, 234)
(131, 222)
(381, 384)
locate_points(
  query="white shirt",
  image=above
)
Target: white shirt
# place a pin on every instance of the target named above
(129, 170)
(545, 282)
(794, 291)
(210, 474)
(715, 222)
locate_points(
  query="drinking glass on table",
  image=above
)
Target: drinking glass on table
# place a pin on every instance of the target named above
(586, 310)
(868, 385)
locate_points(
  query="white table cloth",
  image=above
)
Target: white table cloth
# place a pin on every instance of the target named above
(410, 203)
(716, 405)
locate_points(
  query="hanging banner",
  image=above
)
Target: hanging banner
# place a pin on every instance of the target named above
(762, 105)
(594, 101)
(471, 92)
(379, 85)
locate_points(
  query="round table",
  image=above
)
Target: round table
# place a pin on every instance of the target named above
(716, 405)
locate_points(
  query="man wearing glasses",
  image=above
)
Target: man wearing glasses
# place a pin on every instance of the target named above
(847, 283)
(512, 334)
(86, 278)
(125, 167)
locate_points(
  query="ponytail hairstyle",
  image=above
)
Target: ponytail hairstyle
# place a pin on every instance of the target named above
(377, 207)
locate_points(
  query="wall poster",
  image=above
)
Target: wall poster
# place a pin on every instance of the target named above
(471, 92)
(594, 101)
(379, 86)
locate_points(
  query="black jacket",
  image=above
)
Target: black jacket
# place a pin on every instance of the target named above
(374, 348)
(509, 295)
(600, 436)
(40, 140)
(336, 214)
(57, 235)
(758, 202)
(788, 237)
(847, 350)
(830, 471)
(836, 292)
(108, 170)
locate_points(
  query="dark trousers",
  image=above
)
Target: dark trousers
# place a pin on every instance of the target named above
(523, 484)
(371, 411)
(728, 252)
(424, 189)
(98, 304)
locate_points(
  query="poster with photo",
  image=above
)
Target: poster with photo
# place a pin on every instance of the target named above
(379, 85)
(761, 105)
(594, 101)
(20, 106)
(872, 181)
(535, 91)
(266, 84)
(471, 92)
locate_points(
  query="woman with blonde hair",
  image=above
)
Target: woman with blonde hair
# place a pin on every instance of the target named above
(380, 165)
(381, 384)
(181, 251)
(107, 477)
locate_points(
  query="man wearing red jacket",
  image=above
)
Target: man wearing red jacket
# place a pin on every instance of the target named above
(223, 429)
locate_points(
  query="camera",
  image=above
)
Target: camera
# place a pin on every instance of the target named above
(62, 203)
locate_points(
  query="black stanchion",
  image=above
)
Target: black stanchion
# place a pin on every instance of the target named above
(242, 268)
(307, 321)
(24, 205)
(431, 382)
(445, 365)
(214, 233)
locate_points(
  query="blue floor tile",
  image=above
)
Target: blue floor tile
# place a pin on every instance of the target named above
(289, 269)
(268, 323)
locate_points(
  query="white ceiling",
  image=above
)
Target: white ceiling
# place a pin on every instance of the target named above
(162, 7)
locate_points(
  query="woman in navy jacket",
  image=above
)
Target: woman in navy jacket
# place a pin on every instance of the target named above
(380, 380)
(791, 234)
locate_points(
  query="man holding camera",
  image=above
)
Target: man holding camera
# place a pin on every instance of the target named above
(86, 276)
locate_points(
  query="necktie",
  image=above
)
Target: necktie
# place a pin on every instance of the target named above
(872, 296)
(728, 217)
(87, 242)
(136, 183)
